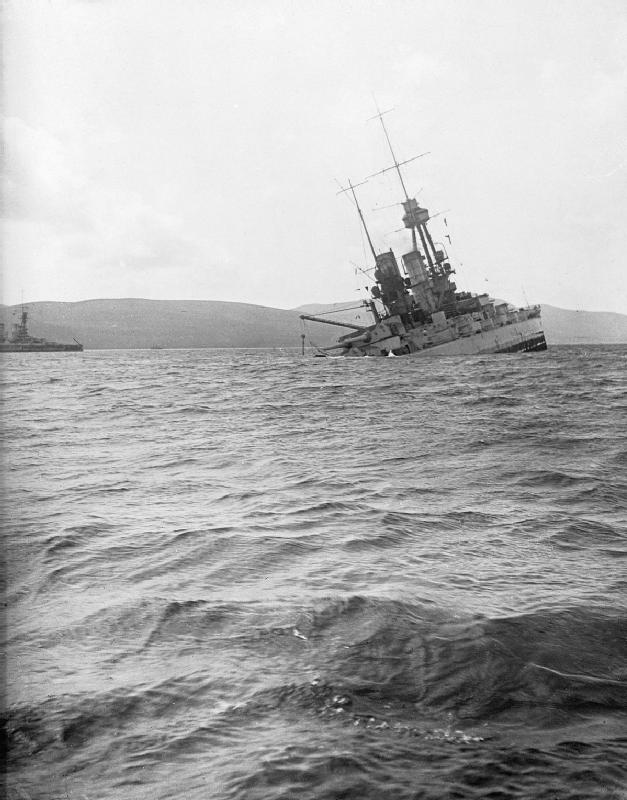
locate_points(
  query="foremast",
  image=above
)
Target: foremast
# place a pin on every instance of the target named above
(427, 268)
(424, 287)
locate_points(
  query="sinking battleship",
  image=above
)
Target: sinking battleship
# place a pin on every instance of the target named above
(21, 341)
(418, 311)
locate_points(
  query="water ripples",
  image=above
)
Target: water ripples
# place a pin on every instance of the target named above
(240, 574)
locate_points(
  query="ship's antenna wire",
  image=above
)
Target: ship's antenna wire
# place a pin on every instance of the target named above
(365, 271)
(339, 310)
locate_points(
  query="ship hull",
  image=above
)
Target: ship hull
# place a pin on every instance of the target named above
(517, 337)
(48, 347)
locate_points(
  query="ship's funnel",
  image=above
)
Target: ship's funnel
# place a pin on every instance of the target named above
(415, 266)
(419, 281)
(393, 290)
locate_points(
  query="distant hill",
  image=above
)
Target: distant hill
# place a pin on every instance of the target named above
(562, 326)
(137, 323)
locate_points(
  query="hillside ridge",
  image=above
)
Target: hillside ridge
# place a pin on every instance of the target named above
(132, 322)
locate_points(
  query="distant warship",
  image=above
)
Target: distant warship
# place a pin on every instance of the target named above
(420, 311)
(21, 342)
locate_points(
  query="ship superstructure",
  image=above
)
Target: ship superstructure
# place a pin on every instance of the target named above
(21, 341)
(422, 311)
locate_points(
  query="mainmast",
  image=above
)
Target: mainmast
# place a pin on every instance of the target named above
(351, 188)
(393, 291)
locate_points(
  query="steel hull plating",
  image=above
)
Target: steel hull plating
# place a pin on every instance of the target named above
(48, 347)
(518, 337)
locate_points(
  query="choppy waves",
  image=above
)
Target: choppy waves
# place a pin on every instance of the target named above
(245, 575)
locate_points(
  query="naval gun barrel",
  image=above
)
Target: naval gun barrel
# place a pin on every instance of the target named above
(334, 322)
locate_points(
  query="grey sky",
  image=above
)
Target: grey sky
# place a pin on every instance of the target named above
(190, 149)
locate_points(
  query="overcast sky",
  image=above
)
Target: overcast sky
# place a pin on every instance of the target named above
(190, 149)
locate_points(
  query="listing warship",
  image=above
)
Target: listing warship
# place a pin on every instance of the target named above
(418, 311)
(22, 342)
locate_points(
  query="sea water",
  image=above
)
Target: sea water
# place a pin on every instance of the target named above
(252, 575)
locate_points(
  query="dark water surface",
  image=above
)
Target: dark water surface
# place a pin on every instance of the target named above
(246, 575)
